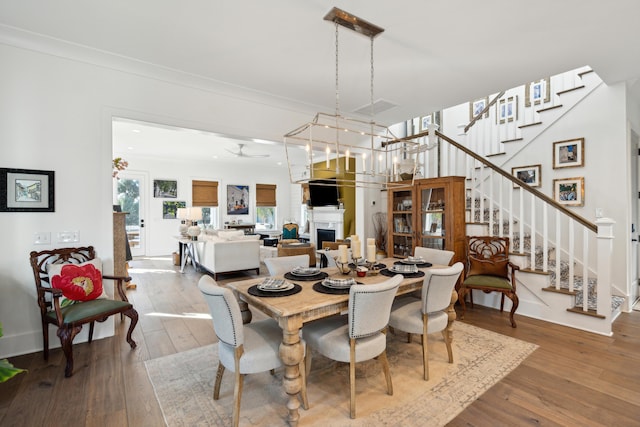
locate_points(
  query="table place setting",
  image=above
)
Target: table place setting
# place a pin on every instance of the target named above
(417, 261)
(407, 270)
(305, 274)
(271, 287)
(335, 286)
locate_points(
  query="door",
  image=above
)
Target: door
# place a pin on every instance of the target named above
(130, 193)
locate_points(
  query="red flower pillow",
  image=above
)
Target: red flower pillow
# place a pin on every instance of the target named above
(78, 282)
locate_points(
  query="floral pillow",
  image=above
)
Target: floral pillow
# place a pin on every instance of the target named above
(78, 282)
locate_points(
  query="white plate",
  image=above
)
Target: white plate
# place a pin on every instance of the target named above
(268, 288)
(329, 284)
(306, 272)
(403, 269)
(412, 261)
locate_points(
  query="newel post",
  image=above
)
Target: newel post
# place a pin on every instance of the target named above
(605, 258)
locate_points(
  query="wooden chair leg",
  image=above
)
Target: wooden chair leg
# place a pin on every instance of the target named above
(66, 335)
(352, 379)
(237, 396)
(216, 387)
(461, 295)
(133, 315)
(425, 348)
(387, 373)
(447, 340)
(45, 340)
(502, 302)
(516, 301)
(91, 325)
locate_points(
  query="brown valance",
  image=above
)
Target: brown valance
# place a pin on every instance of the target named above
(204, 193)
(265, 195)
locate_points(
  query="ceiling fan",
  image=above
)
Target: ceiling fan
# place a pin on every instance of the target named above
(241, 153)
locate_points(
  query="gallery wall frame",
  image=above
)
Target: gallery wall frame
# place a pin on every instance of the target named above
(165, 188)
(530, 175)
(538, 92)
(568, 153)
(476, 107)
(507, 110)
(170, 209)
(569, 191)
(27, 190)
(237, 199)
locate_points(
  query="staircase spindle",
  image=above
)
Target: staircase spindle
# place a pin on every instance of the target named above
(545, 237)
(558, 254)
(571, 253)
(532, 233)
(585, 269)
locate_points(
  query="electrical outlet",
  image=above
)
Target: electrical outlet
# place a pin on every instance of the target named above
(68, 236)
(42, 238)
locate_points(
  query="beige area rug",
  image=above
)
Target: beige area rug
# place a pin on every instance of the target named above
(183, 384)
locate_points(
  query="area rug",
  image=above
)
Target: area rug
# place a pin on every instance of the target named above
(183, 384)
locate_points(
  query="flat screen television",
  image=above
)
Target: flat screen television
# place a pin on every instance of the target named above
(323, 192)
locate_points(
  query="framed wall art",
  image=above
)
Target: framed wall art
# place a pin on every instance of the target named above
(237, 199)
(425, 121)
(27, 190)
(476, 107)
(170, 209)
(569, 191)
(165, 188)
(530, 175)
(537, 92)
(568, 153)
(507, 110)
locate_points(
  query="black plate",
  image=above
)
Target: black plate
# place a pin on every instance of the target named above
(378, 265)
(389, 273)
(319, 276)
(420, 265)
(319, 287)
(258, 293)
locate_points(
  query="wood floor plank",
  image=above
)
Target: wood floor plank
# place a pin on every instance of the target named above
(574, 378)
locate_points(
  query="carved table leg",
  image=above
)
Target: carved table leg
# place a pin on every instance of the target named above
(291, 353)
(244, 311)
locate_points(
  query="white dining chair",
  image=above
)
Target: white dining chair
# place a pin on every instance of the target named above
(277, 266)
(243, 349)
(434, 256)
(360, 335)
(428, 315)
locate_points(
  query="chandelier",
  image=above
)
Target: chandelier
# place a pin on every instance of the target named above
(351, 152)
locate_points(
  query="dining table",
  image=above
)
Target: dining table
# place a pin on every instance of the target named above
(308, 303)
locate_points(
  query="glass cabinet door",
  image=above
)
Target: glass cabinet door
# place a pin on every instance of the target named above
(402, 223)
(432, 216)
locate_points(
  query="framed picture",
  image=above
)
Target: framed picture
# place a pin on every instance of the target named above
(507, 110)
(569, 191)
(237, 199)
(165, 188)
(26, 190)
(537, 92)
(476, 107)
(568, 153)
(425, 121)
(170, 209)
(530, 175)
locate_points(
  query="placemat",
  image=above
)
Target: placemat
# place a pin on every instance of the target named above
(258, 293)
(420, 265)
(319, 287)
(389, 273)
(319, 276)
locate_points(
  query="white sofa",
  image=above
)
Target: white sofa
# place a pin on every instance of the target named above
(228, 251)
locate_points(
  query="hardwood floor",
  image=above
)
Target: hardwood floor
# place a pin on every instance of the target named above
(574, 378)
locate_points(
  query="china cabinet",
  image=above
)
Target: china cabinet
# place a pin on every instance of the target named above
(429, 213)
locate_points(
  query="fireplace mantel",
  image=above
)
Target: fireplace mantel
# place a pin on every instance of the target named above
(326, 218)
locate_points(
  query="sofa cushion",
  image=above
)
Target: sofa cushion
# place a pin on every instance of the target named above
(230, 234)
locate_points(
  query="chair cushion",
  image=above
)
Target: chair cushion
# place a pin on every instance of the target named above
(76, 313)
(78, 282)
(487, 282)
(261, 348)
(290, 231)
(330, 337)
(406, 315)
(486, 267)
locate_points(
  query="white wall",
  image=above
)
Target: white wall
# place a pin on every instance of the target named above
(55, 114)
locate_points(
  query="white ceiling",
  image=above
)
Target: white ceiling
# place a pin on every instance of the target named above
(432, 55)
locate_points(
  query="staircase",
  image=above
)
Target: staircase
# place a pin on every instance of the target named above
(548, 240)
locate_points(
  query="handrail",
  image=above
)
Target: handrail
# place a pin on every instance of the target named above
(484, 110)
(589, 225)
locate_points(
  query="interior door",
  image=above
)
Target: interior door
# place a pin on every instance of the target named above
(130, 193)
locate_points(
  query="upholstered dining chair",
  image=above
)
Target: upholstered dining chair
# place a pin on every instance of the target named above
(279, 265)
(489, 270)
(70, 293)
(434, 256)
(360, 335)
(290, 231)
(243, 349)
(429, 315)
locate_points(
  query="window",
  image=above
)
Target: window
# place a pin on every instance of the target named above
(265, 218)
(210, 217)
(205, 195)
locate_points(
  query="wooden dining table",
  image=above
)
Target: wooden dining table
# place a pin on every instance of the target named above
(293, 311)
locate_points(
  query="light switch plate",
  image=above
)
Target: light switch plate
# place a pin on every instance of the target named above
(68, 236)
(42, 238)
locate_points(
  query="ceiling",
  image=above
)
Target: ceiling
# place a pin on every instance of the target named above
(432, 55)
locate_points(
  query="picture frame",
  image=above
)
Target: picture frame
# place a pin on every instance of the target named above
(476, 107)
(569, 191)
(537, 92)
(530, 175)
(237, 199)
(568, 153)
(170, 209)
(27, 190)
(425, 121)
(507, 110)
(165, 188)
